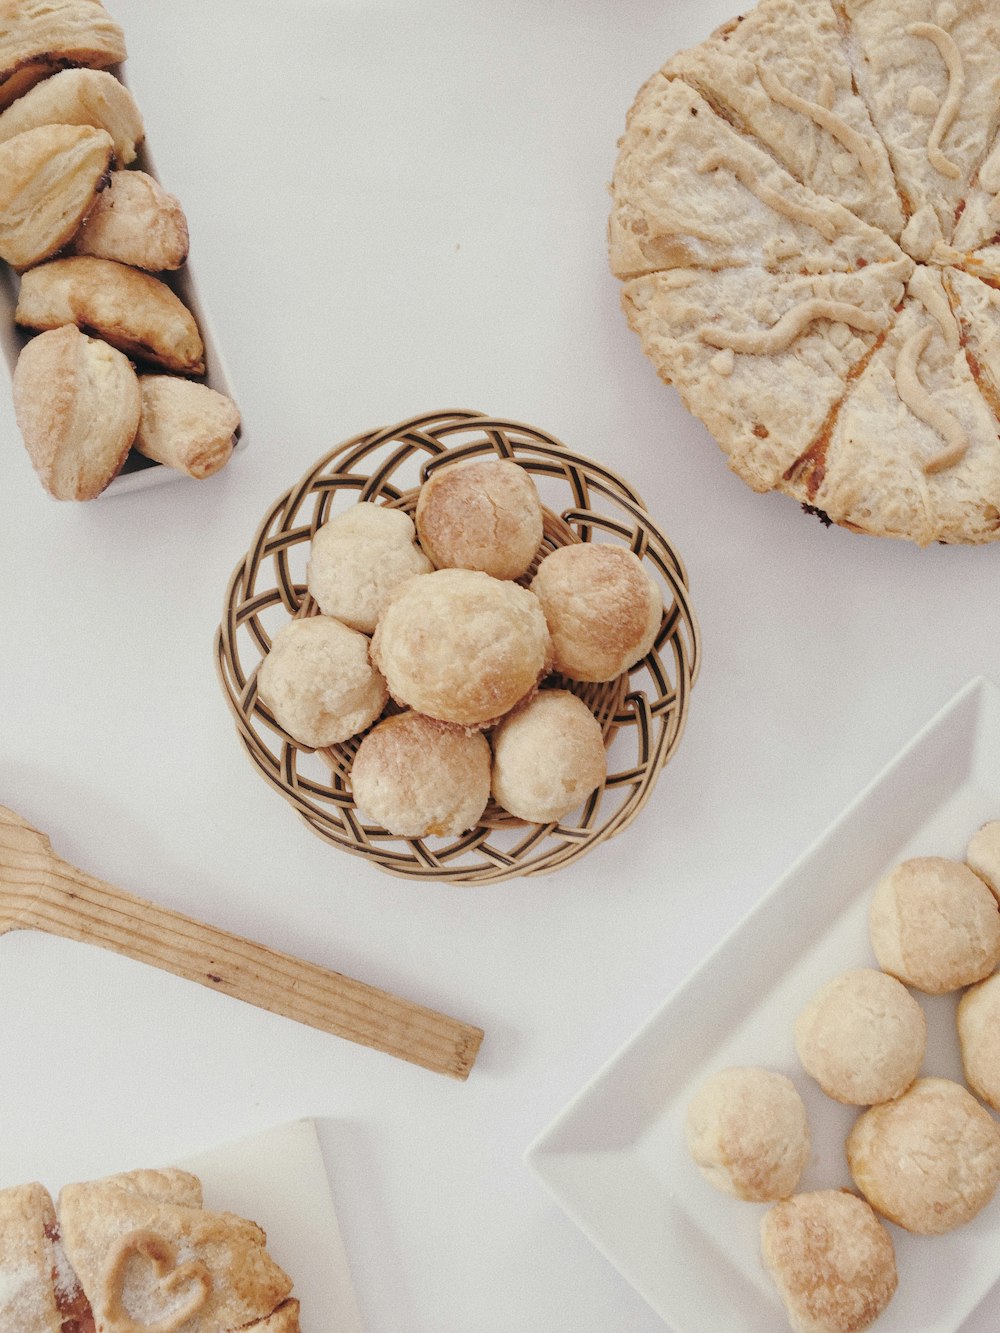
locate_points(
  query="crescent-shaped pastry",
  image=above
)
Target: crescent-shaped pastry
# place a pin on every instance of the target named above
(79, 97)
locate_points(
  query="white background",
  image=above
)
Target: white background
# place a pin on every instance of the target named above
(395, 208)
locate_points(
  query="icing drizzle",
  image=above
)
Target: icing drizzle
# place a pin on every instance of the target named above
(848, 137)
(913, 394)
(780, 336)
(952, 58)
(746, 174)
(162, 1255)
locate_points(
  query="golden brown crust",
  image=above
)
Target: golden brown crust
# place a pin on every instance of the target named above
(483, 515)
(40, 36)
(135, 221)
(133, 311)
(186, 425)
(80, 97)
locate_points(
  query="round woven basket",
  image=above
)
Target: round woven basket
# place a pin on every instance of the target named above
(642, 713)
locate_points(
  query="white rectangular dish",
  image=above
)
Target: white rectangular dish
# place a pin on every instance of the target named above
(615, 1158)
(138, 473)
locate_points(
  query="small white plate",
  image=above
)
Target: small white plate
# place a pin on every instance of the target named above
(615, 1159)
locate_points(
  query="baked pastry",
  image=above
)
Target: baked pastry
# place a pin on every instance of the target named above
(935, 925)
(418, 778)
(131, 310)
(930, 1160)
(38, 1290)
(602, 608)
(979, 1038)
(40, 36)
(49, 179)
(460, 646)
(185, 425)
(358, 558)
(548, 757)
(862, 1037)
(136, 222)
(76, 401)
(318, 682)
(875, 406)
(482, 515)
(831, 1259)
(748, 1132)
(80, 97)
(983, 856)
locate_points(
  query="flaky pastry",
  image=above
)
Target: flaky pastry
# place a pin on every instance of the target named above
(135, 221)
(80, 97)
(186, 425)
(38, 37)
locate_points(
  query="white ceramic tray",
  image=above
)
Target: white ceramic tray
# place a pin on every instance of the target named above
(615, 1159)
(138, 473)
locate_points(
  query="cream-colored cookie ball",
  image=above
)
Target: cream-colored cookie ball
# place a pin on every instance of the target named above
(603, 609)
(548, 757)
(318, 682)
(862, 1037)
(983, 855)
(748, 1132)
(935, 925)
(930, 1160)
(482, 515)
(358, 558)
(461, 646)
(419, 778)
(831, 1259)
(979, 1038)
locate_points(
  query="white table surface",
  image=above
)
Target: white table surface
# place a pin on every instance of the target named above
(398, 207)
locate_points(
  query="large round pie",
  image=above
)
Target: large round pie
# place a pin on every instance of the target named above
(806, 220)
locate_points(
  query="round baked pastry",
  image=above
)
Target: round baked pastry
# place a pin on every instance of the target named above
(979, 1038)
(748, 1132)
(419, 778)
(983, 856)
(935, 925)
(80, 97)
(135, 221)
(862, 1037)
(930, 1160)
(460, 646)
(358, 558)
(768, 266)
(548, 757)
(831, 1259)
(318, 682)
(77, 405)
(602, 607)
(482, 515)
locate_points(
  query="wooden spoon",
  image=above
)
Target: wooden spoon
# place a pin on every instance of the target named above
(39, 891)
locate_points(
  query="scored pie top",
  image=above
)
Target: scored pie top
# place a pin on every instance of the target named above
(806, 221)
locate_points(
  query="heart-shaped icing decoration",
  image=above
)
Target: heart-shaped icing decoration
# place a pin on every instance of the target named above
(170, 1277)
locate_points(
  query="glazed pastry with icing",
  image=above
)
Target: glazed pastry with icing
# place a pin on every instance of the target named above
(80, 97)
(133, 311)
(185, 425)
(135, 221)
(38, 37)
(482, 515)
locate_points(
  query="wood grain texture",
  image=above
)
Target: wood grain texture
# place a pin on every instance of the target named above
(39, 891)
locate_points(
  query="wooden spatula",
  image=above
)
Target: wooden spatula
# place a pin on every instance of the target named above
(39, 891)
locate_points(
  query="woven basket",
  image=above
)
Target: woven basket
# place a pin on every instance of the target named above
(642, 713)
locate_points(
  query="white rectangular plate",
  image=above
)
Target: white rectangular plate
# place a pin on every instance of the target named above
(615, 1159)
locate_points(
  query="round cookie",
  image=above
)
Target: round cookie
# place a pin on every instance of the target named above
(935, 925)
(318, 682)
(603, 609)
(483, 515)
(548, 757)
(862, 1037)
(983, 856)
(418, 778)
(357, 560)
(831, 1259)
(979, 1038)
(748, 1132)
(929, 1161)
(460, 646)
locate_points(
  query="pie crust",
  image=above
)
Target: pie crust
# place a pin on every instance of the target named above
(806, 221)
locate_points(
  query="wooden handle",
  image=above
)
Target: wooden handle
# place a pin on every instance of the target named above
(79, 907)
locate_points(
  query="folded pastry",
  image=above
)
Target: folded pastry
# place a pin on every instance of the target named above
(79, 97)
(136, 1252)
(40, 36)
(49, 179)
(131, 310)
(185, 425)
(77, 404)
(135, 221)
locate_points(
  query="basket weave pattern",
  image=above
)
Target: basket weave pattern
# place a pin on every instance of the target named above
(642, 714)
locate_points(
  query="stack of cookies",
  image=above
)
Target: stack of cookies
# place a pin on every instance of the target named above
(116, 362)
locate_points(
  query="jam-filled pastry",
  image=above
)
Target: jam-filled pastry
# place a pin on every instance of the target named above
(39, 1293)
(38, 37)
